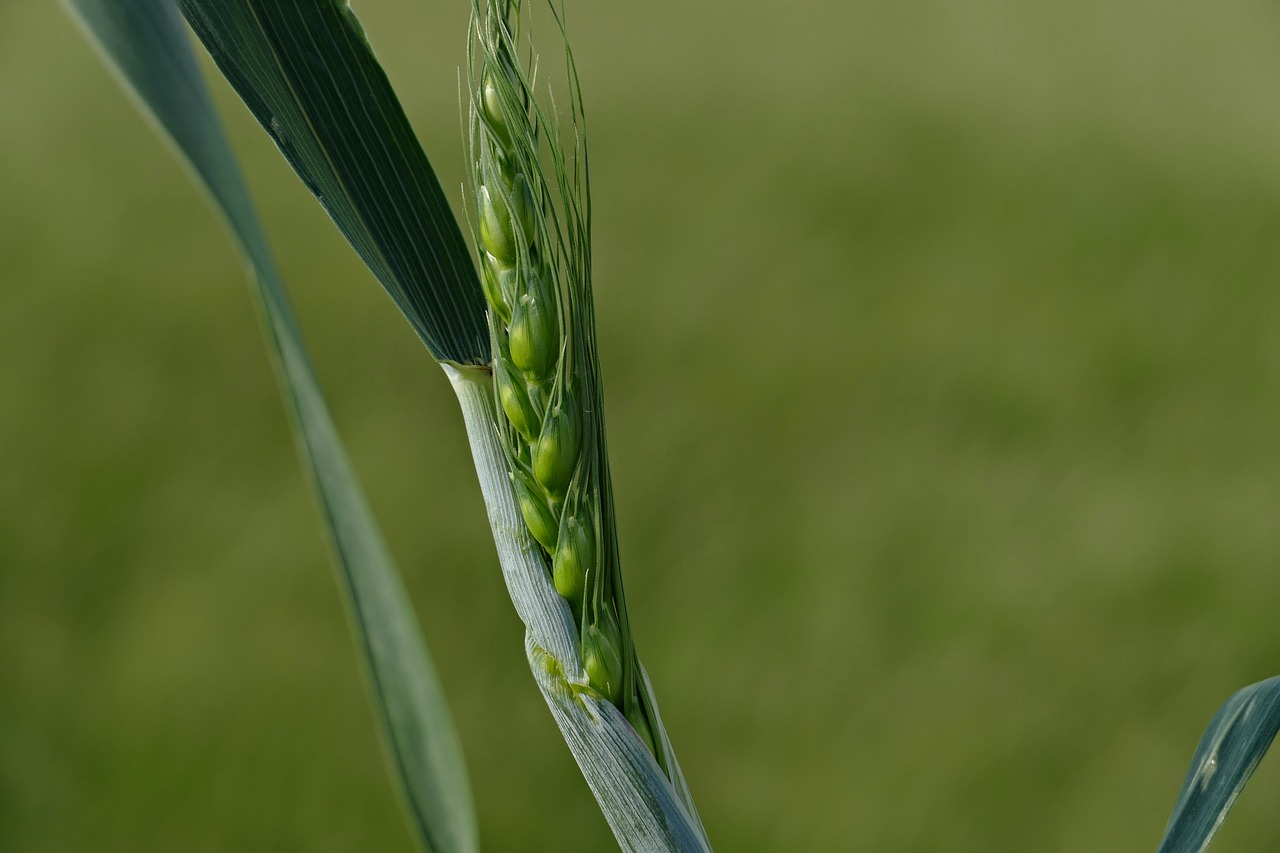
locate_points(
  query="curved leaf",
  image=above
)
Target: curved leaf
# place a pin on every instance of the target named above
(1229, 751)
(306, 72)
(147, 43)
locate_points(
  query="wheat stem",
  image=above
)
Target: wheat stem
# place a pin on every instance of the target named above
(532, 229)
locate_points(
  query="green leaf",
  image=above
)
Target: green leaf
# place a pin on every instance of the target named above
(306, 72)
(1231, 747)
(147, 43)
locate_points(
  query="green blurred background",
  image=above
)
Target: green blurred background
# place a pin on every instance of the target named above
(942, 345)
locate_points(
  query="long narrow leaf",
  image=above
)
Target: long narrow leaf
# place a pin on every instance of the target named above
(1234, 742)
(146, 42)
(307, 73)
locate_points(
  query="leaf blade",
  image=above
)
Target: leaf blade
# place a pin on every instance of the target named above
(147, 43)
(307, 73)
(1233, 743)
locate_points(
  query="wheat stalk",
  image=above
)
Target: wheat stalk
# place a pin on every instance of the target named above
(535, 256)
(531, 224)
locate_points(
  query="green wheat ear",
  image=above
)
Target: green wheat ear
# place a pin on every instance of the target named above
(532, 213)
(537, 431)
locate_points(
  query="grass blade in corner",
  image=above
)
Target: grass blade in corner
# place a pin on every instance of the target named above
(307, 73)
(148, 46)
(1229, 751)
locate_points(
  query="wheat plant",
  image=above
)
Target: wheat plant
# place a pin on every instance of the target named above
(518, 344)
(535, 261)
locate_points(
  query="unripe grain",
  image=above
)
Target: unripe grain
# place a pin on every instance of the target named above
(534, 334)
(555, 456)
(491, 101)
(524, 210)
(575, 556)
(536, 512)
(514, 399)
(498, 280)
(603, 663)
(499, 217)
(495, 227)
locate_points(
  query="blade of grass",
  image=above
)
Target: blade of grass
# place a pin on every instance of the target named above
(307, 73)
(1229, 751)
(148, 46)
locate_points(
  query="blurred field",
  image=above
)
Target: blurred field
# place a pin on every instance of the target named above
(942, 346)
